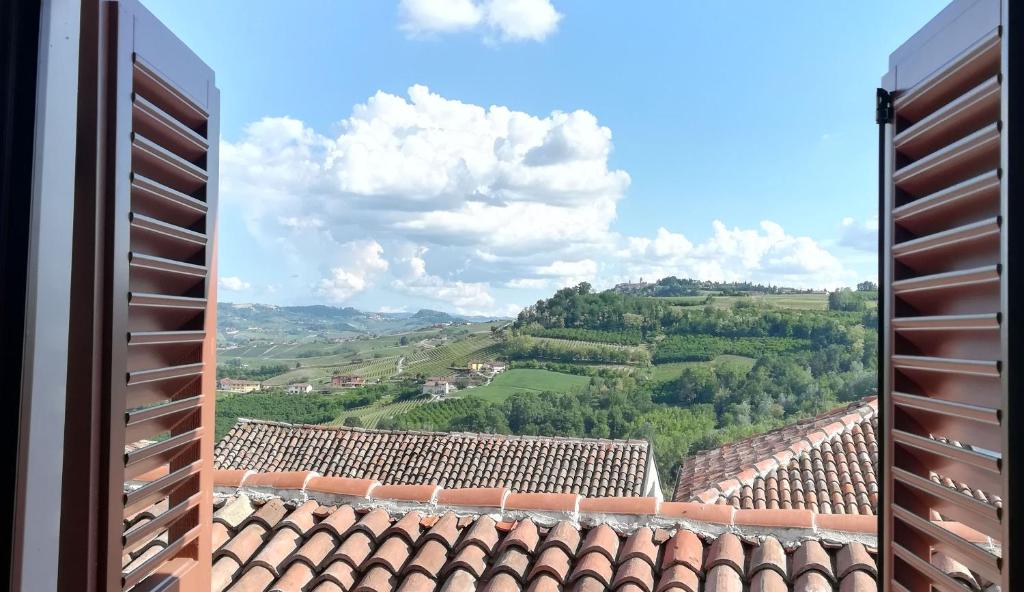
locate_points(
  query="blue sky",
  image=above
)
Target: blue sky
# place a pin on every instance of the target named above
(475, 155)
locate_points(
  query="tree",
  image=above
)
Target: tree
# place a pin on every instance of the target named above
(352, 422)
(867, 286)
(846, 299)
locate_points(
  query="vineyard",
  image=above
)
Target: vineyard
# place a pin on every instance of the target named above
(432, 417)
(371, 415)
(436, 360)
(625, 337)
(561, 350)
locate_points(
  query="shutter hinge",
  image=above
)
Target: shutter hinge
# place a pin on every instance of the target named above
(883, 106)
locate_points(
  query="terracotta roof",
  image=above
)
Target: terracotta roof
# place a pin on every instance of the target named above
(300, 532)
(827, 464)
(590, 467)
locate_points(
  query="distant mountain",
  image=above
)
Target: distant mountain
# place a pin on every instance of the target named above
(245, 322)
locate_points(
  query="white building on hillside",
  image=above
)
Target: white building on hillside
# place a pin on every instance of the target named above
(438, 387)
(300, 388)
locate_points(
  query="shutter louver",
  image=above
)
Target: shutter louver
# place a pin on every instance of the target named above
(162, 299)
(945, 418)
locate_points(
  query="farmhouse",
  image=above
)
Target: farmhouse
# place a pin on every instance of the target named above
(299, 388)
(239, 386)
(496, 367)
(347, 381)
(438, 387)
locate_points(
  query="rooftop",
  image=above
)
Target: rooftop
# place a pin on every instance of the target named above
(544, 464)
(298, 531)
(826, 463)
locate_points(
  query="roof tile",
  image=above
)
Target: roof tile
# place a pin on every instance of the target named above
(723, 578)
(726, 550)
(636, 571)
(455, 459)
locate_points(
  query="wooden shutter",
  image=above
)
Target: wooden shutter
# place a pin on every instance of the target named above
(150, 280)
(947, 413)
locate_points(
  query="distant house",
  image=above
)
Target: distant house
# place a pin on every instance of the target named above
(477, 366)
(300, 388)
(233, 385)
(347, 381)
(496, 367)
(438, 387)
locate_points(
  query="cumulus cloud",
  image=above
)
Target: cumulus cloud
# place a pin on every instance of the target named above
(427, 171)
(233, 283)
(764, 254)
(497, 20)
(362, 260)
(411, 277)
(444, 201)
(860, 235)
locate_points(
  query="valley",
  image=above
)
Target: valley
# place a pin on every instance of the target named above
(685, 370)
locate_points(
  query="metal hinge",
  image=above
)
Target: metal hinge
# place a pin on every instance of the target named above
(883, 106)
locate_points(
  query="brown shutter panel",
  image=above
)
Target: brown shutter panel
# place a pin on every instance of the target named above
(153, 331)
(946, 415)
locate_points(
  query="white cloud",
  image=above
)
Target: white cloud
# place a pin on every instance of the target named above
(860, 235)
(444, 201)
(411, 277)
(438, 16)
(519, 20)
(504, 20)
(233, 283)
(569, 273)
(528, 283)
(766, 254)
(362, 261)
(509, 190)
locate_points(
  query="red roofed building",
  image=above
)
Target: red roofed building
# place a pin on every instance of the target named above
(826, 463)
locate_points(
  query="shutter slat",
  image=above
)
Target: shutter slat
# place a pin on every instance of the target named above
(958, 201)
(952, 503)
(143, 460)
(966, 322)
(951, 544)
(165, 337)
(947, 280)
(166, 373)
(951, 409)
(929, 94)
(165, 166)
(951, 163)
(174, 99)
(130, 579)
(166, 301)
(145, 531)
(176, 136)
(141, 497)
(938, 128)
(142, 222)
(939, 243)
(936, 576)
(988, 368)
(153, 262)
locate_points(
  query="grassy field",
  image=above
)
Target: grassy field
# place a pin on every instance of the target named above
(663, 372)
(799, 301)
(526, 380)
